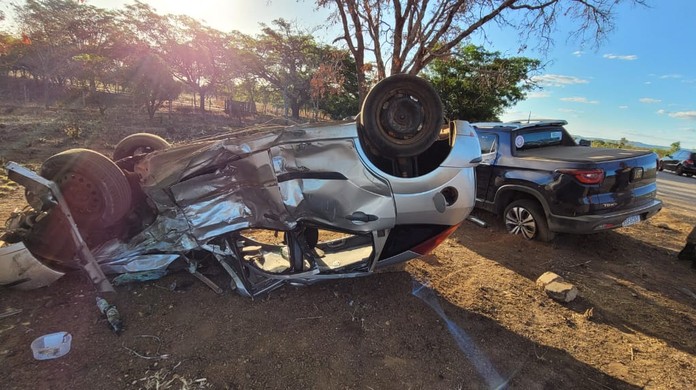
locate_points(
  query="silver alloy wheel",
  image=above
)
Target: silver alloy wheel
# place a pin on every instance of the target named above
(519, 220)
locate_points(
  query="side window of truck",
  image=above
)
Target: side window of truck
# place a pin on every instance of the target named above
(489, 147)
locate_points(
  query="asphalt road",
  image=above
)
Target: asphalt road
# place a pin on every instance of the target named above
(678, 192)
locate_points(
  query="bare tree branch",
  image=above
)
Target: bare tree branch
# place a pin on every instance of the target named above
(420, 31)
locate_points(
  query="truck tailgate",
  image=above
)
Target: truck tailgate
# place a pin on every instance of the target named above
(627, 183)
(629, 175)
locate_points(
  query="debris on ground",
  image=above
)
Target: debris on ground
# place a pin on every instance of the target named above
(111, 313)
(556, 287)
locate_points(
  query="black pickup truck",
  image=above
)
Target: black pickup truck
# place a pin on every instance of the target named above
(541, 182)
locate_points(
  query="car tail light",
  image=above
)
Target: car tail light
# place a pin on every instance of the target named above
(585, 176)
(427, 246)
(689, 162)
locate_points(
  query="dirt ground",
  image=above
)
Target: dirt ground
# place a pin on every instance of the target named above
(479, 322)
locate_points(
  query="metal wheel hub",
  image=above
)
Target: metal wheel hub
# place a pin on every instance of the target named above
(519, 220)
(81, 194)
(402, 116)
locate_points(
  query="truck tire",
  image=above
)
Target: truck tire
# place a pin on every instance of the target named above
(141, 143)
(96, 190)
(525, 218)
(679, 171)
(401, 116)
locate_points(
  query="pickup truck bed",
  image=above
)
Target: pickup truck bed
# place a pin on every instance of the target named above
(579, 154)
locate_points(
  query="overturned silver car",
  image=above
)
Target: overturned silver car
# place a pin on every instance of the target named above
(343, 199)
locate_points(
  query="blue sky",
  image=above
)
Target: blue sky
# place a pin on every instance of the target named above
(639, 84)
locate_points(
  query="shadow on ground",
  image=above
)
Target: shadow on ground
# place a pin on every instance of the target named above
(362, 333)
(630, 284)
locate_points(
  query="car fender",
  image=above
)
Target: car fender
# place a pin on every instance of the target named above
(21, 270)
(519, 188)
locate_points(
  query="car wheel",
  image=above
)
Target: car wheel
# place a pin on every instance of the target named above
(689, 174)
(660, 166)
(525, 218)
(679, 171)
(95, 189)
(401, 116)
(139, 143)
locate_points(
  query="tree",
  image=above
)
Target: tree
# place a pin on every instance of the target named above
(404, 36)
(286, 58)
(152, 84)
(99, 45)
(48, 48)
(329, 82)
(477, 85)
(674, 147)
(343, 103)
(64, 41)
(194, 52)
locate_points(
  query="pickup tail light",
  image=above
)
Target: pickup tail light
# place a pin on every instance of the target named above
(585, 176)
(689, 162)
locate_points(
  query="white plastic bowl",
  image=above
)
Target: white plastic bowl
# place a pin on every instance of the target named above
(51, 346)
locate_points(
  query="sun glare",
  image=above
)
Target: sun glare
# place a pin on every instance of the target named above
(241, 15)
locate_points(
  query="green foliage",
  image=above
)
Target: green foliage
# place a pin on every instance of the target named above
(477, 85)
(623, 143)
(286, 58)
(101, 100)
(674, 147)
(345, 103)
(599, 143)
(196, 55)
(151, 83)
(65, 40)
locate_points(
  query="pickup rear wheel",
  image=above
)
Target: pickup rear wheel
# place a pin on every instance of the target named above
(680, 170)
(525, 218)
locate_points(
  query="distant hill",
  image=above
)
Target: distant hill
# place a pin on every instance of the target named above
(647, 146)
(635, 144)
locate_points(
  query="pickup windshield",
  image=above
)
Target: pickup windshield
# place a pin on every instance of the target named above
(538, 139)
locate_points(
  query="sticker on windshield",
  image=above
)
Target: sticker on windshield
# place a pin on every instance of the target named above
(519, 141)
(556, 135)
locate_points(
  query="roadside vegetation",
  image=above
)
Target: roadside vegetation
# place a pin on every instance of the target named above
(623, 143)
(72, 55)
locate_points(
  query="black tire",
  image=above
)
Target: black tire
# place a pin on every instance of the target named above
(660, 166)
(96, 190)
(139, 143)
(401, 116)
(679, 171)
(689, 174)
(526, 218)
